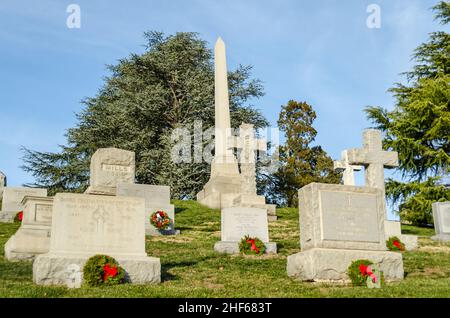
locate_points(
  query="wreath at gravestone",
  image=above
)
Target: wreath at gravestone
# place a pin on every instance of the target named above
(251, 246)
(18, 217)
(363, 272)
(101, 270)
(160, 220)
(394, 244)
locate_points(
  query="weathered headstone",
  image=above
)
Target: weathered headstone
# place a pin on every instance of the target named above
(3, 183)
(225, 181)
(346, 168)
(33, 236)
(109, 167)
(157, 198)
(441, 217)
(375, 160)
(85, 225)
(237, 222)
(248, 145)
(340, 224)
(12, 201)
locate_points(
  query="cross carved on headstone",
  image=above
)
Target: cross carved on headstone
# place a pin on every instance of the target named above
(247, 143)
(100, 217)
(347, 169)
(373, 158)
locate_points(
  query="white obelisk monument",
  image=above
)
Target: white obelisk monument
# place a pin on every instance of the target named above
(225, 181)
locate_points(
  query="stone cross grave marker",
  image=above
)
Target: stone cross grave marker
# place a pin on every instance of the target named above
(248, 144)
(346, 168)
(373, 158)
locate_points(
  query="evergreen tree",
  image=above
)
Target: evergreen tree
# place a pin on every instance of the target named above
(418, 127)
(146, 96)
(300, 162)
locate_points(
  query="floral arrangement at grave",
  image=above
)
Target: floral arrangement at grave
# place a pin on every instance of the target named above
(160, 220)
(251, 246)
(103, 270)
(394, 244)
(363, 272)
(19, 217)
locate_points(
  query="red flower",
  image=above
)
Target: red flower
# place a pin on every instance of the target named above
(363, 269)
(253, 248)
(20, 216)
(109, 271)
(397, 245)
(371, 274)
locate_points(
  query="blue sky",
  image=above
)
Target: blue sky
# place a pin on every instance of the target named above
(318, 51)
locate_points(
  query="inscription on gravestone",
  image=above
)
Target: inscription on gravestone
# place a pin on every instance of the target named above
(237, 224)
(98, 224)
(349, 217)
(43, 213)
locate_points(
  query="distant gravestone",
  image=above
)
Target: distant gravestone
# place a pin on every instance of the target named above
(85, 225)
(157, 198)
(109, 167)
(12, 201)
(340, 224)
(237, 222)
(33, 236)
(441, 217)
(2, 182)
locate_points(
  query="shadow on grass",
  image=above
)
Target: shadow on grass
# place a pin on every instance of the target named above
(179, 210)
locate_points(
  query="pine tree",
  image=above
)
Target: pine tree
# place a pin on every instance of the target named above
(300, 162)
(143, 100)
(418, 127)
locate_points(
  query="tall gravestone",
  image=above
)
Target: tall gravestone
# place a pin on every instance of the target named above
(375, 160)
(237, 222)
(12, 201)
(340, 224)
(441, 217)
(157, 198)
(33, 236)
(109, 167)
(85, 225)
(225, 181)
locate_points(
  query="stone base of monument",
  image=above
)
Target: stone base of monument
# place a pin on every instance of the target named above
(220, 191)
(67, 269)
(7, 216)
(233, 247)
(441, 237)
(330, 265)
(28, 242)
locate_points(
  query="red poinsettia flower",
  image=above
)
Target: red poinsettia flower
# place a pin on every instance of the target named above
(363, 269)
(397, 245)
(109, 271)
(20, 216)
(253, 248)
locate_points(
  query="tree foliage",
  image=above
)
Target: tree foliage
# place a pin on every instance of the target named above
(146, 96)
(418, 127)
(301, 163)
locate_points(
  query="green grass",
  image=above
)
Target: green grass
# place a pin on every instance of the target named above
(190, 267)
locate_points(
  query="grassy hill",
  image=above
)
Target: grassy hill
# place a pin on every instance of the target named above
(191, 268)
